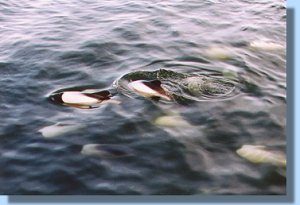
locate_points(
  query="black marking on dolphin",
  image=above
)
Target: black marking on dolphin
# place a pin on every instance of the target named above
(102, 95)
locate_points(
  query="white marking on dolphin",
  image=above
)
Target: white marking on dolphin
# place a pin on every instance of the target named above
(149, 89)
(260, 154)
(266, 45)
(59, 129)
(75, 97)
(172, 121)
(106, 150)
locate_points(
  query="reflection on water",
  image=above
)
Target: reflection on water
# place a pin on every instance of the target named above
(130, 143)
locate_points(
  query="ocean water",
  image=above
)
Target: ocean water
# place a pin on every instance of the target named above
(51, 45)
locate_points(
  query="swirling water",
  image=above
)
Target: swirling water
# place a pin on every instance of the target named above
(52, 45)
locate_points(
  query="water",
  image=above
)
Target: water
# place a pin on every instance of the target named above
(52, 45)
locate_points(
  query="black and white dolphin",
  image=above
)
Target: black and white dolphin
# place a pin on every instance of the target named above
(83, 99)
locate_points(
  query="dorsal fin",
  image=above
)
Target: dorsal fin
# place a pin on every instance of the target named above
(156, 85)
(153, 84)
(101, 95)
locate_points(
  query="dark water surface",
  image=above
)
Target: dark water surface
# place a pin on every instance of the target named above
(52, 45)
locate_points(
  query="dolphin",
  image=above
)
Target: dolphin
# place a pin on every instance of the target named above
(59, 129)
(106, 150)
(81, 99)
